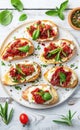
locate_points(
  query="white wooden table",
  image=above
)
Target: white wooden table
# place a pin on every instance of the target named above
(41, 119)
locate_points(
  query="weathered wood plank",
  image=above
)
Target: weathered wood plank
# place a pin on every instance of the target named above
(40, 3)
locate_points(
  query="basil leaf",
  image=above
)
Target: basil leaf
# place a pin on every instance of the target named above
(52, 12)
(62, 77)
(47, 96)
(58, 58)
(58, 11)
(36, 34)
(63, 5)
(54, 52)
(24, 48)
(17, 4)
(6, 17)
(23, 17)
(19, 70)
(61, 15)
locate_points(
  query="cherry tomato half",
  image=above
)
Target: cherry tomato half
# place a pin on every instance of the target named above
(23, 118)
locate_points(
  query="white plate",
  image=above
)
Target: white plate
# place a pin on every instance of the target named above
(62, 92)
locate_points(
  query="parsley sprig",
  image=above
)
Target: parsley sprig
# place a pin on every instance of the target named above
(66, 119)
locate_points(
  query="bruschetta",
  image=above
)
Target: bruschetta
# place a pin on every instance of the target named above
(17, 49)
(21, 73)
(41, 94)
(42, 30)
(62, 76)
(58, 52)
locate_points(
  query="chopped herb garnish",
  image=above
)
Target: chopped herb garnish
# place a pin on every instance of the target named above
(2, 63)
(38, 47)
(76, 67)
(43, 65)
(18, 87)
(60, 64)
(9, 64)
(62, 77)
(24, 48)
(72, 65)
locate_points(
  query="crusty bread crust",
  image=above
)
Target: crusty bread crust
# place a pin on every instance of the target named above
(31, 50)
(7, 79)
(75, 82)
(47, 39)
(54, 92)
(52, 61)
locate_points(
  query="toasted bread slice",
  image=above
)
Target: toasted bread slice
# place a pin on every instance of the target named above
(8, 80)
(45, 22)
(58, 44)
(73, 81)
(12, 50)
(26, 94)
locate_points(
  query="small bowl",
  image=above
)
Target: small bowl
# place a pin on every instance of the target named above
(70, 18)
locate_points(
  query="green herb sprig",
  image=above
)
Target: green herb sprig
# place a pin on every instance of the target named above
(66, 119)
(5, 114)
(59, 10)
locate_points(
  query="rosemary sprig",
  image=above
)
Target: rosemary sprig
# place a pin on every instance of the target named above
(6, 116)
(66, 119)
